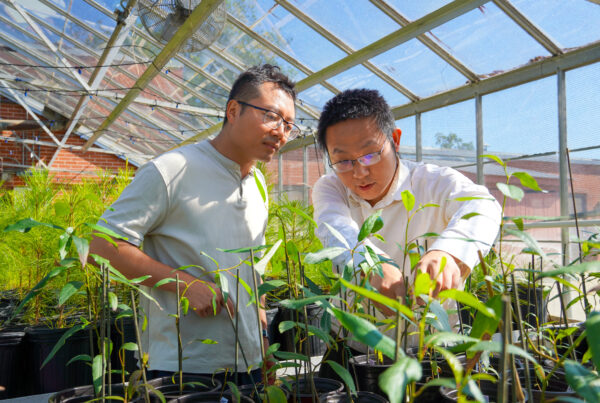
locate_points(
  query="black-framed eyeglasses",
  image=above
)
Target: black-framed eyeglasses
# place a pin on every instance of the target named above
(364, 160)
(273, 120)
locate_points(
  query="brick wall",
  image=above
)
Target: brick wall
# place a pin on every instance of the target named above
(70, 165)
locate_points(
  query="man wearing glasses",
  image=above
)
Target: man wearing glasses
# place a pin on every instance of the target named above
(357, 132)
(187, 206)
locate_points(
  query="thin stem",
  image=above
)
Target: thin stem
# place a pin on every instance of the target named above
(178, 329)
(521, 333)
(138, 338)
(308, 346)
(257, 306)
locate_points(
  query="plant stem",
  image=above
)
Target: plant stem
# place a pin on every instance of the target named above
(505, 357)
(178, 329)
(237, 310)
(138, 338)
(521, 333)
(257, 306)
(308, 346)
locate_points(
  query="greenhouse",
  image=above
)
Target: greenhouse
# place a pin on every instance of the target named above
(300, 200)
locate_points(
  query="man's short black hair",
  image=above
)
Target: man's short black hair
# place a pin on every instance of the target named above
(246, 86)
(356, 104)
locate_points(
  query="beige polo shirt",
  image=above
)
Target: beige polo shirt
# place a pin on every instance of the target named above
(183, 206)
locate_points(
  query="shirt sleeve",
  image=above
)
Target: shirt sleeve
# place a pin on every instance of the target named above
(473, 224)
(141, 206)
(330, 204)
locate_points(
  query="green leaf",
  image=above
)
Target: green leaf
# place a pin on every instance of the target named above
(518, 222)
(343, 374)
(27, 224)
(129, 346)
(528, 240)
(443, 323)
(68, 291)
(496, 347)
(97, 372)
(275, 394)
(113, 301)
(244, 250)
(286, 325)
(372, 224)
(164, 281)
(207, 341)
(366, 333)
(393, 380)
(260, 187)
(299, 303)
(592, 333)
(270, 285)
(80, 357)
(423, 284)
(287, 355)
(106, 231)
(527, 180)
(234, 391)
(484, 324)
(185, 305)
(261, 265)
(493, 157)
(447, 339)
(83, 249)
(467, 299)
(64, 243)
(223, 284)
(586, 267)
(511, 191)
(37, 289)
(380, 298)
(337, 235)
(585, 382)
(300, 213)
(470, 215)
(324, 255)
(408, 199)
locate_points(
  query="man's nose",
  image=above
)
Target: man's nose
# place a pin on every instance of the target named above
(359, 170)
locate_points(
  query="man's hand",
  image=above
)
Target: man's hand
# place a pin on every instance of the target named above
(450, 277)
(201, 294)
(391, 285)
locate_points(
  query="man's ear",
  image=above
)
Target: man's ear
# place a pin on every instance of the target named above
(233, 110)
(396, 134)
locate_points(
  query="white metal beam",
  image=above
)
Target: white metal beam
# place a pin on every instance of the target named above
(48, 43)
(530, 72)
(110, 52)
(427, 41)
(526, 24)
(404, 34)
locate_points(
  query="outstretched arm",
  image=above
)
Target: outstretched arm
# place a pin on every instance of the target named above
(133, 262)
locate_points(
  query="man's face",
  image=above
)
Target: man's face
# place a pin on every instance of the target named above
(253, 137)
(351, 139)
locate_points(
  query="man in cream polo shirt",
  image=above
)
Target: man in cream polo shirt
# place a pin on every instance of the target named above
(184, 206)
(357, 131)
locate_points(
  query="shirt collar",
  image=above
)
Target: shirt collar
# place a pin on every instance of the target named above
(400, 183)
(230, 165)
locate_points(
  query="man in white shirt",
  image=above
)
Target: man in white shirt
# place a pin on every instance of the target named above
(357, 132)
(188, 205)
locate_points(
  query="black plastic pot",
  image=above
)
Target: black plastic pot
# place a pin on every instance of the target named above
(360, 397)
(212, 397)
(85, 394)
(488, 388)
(56, 374)
(251, 392)
(366, 373)
(11, 364)
(314, 312)
(557, 387)
(169, 386)
(533, 305)
(301, 389)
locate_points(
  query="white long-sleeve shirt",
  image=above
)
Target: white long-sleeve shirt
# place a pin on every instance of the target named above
(461, 237)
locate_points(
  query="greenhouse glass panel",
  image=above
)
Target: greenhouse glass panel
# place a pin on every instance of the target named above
(571, 23)
(92, 18)
(316, 96)
(250, 11)
(418, 69)
(413, 10)
(522, 120)
(583, 109)
(488, 41)
(449, 137)
(357, 23)
(298, 40)
(360, 77)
